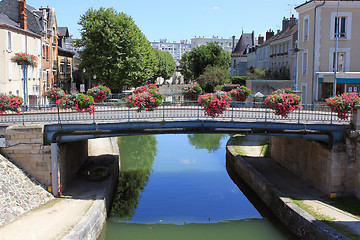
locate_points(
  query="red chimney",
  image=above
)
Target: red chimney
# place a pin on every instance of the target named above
(260, 40)
(21, 14)
(269, 34)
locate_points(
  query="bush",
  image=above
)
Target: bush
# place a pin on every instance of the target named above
(10, 103)
(239, 80)
(191, 93)
(147, 97)
(79, 102)
(99, 93)
(212, 77)
(54, 94)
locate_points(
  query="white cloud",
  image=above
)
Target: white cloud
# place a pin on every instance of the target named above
(187, 162)
(216, 8)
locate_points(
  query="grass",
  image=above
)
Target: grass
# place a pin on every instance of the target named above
(341, 228)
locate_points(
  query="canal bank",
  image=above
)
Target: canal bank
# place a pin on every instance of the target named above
(80, 212)
(276, 187)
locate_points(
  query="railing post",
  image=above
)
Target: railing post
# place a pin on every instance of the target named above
(128, 114)
(163, 112)
(58, 110)
(198, 112)
(23, 116)
(232, 112)
(299, 115)
(265, 113)
(94, 117)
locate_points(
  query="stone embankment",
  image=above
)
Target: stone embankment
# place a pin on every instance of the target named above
(19, 193)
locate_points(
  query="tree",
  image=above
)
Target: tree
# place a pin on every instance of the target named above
(212, 77)
(166, 64)
(115, 49)
(193, 63)
(211, 142)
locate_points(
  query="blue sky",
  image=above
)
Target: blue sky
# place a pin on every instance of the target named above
(178, 20)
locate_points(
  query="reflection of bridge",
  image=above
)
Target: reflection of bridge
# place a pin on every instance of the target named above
(113, 119)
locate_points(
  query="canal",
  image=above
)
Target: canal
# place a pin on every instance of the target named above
(178, 187)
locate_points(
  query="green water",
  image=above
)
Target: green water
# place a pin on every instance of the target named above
(178, 187)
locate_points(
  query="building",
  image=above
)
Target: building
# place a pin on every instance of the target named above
(239, 54)
(64, 63)
(226, 44)
(329, 51)
(282, 60)
(25, 29)
(176, 49)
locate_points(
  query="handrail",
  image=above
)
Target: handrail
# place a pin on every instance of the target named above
(171, 111)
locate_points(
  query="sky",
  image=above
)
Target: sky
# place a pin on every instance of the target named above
(182, 20)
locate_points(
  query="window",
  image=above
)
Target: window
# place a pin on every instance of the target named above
(304, 63)
(68, 68)
(62, 67)
(9, 43)
(24, 47)
(340, 63)
(306, 28)
(343, 58)
(340, 27)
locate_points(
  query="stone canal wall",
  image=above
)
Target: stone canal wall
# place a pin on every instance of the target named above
(19, 193)
(332, 171)
(25, 147)
(300, 223)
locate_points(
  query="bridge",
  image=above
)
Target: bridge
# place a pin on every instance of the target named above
(115, 119)
(67, 130)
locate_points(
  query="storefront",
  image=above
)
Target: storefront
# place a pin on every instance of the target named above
(345, 82)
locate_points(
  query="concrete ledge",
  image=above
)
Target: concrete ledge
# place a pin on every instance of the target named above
(299, 222)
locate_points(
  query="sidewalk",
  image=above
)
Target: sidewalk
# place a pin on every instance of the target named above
(57, 218)
(291, 186)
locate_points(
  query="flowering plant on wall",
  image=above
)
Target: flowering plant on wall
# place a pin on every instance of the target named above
(214, 104)
(79, 102)
(240, 94)
(10, 103)
(25, 58)
(344, 104)
(191, 93)
(99, 93)
(147, 98)
(54, 94)
(283, 102)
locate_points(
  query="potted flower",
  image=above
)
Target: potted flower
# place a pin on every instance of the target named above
(191, 93)
(54, 94)
(99, 93)
(25, 59)
(79, 102)
(283, 102)
(344, 104)
(10, 103)
(240, 94)
(214, 104)
(147, 98)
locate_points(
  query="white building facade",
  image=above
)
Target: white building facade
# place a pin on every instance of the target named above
(176, 49)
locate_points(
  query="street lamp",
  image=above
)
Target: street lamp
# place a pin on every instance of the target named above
(296, 50)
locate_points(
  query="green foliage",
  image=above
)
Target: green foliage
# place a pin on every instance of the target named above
(137, 155)
(212, 77)
(255, 74)
(239, 80)
(166, 64)
(193, 63)
(115, 49)
(211, 142)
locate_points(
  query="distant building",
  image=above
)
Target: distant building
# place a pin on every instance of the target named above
(70, 46)
(176, 49)
(64, 62)
(226, 44)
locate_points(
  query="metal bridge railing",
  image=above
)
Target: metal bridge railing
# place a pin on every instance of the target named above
(170, 111)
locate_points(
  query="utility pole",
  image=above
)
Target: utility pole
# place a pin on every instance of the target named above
(337, 32)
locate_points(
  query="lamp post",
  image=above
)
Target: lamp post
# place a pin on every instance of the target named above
(296, 50)
(337, 28)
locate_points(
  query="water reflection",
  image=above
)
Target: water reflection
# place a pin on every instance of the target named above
(137, 155)
(211, 142)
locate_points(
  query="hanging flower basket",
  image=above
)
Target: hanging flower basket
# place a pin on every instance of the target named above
(283, 102)
(344, 104)
(240, 94)
(99, 93)
(54, 94)
(147, 98)
(192, 93)
(10, 103)
(25, 59)
(214, 104)
(79, 102)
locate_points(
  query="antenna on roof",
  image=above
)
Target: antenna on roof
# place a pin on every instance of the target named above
(291, 7)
